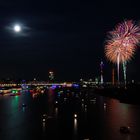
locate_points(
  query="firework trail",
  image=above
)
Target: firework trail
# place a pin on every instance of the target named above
(122, 44)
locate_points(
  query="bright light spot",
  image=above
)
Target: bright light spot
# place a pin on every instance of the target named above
(17, 28)
(104, 105)
(75, 115)
(44, 120)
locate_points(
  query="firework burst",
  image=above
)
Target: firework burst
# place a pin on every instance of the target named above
(122, 43)
(115, 48)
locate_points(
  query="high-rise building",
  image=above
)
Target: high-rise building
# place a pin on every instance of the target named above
(51, 75)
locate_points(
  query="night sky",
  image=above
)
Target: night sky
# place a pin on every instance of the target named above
(65, 37)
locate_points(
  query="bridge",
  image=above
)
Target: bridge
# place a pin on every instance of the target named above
(63, 84)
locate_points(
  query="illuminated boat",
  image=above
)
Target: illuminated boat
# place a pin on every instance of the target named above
(5, 91)
(15, 92)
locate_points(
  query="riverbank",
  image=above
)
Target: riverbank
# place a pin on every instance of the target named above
(128, 94)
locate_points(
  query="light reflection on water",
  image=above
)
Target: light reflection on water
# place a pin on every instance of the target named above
(99, 118)
(50, 101)
(75, 125)
(120, 114)
(56, 112)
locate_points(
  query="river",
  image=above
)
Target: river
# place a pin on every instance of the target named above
(71, 115)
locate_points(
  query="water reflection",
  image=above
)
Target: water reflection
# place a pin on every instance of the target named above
(105, 106)
(101, 121)
(85, 108)
(56, 112)
(82, 106)
(43, 126)
(23, 109)
(75, 125)
(50, 101)
(15, 102)
(117, 115)
(75, 129)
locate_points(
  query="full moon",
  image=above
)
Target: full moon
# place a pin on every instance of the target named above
(17, 28)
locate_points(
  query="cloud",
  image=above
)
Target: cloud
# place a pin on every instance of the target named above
(25, 30)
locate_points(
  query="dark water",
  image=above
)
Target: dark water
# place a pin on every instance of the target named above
(98, 118)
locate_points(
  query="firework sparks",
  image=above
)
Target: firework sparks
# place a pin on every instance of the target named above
(115, 48)
(122, 43)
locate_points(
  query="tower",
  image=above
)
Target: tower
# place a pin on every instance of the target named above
(113, 76)
(101, 68)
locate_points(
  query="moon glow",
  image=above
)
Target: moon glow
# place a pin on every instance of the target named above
(17, 28)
